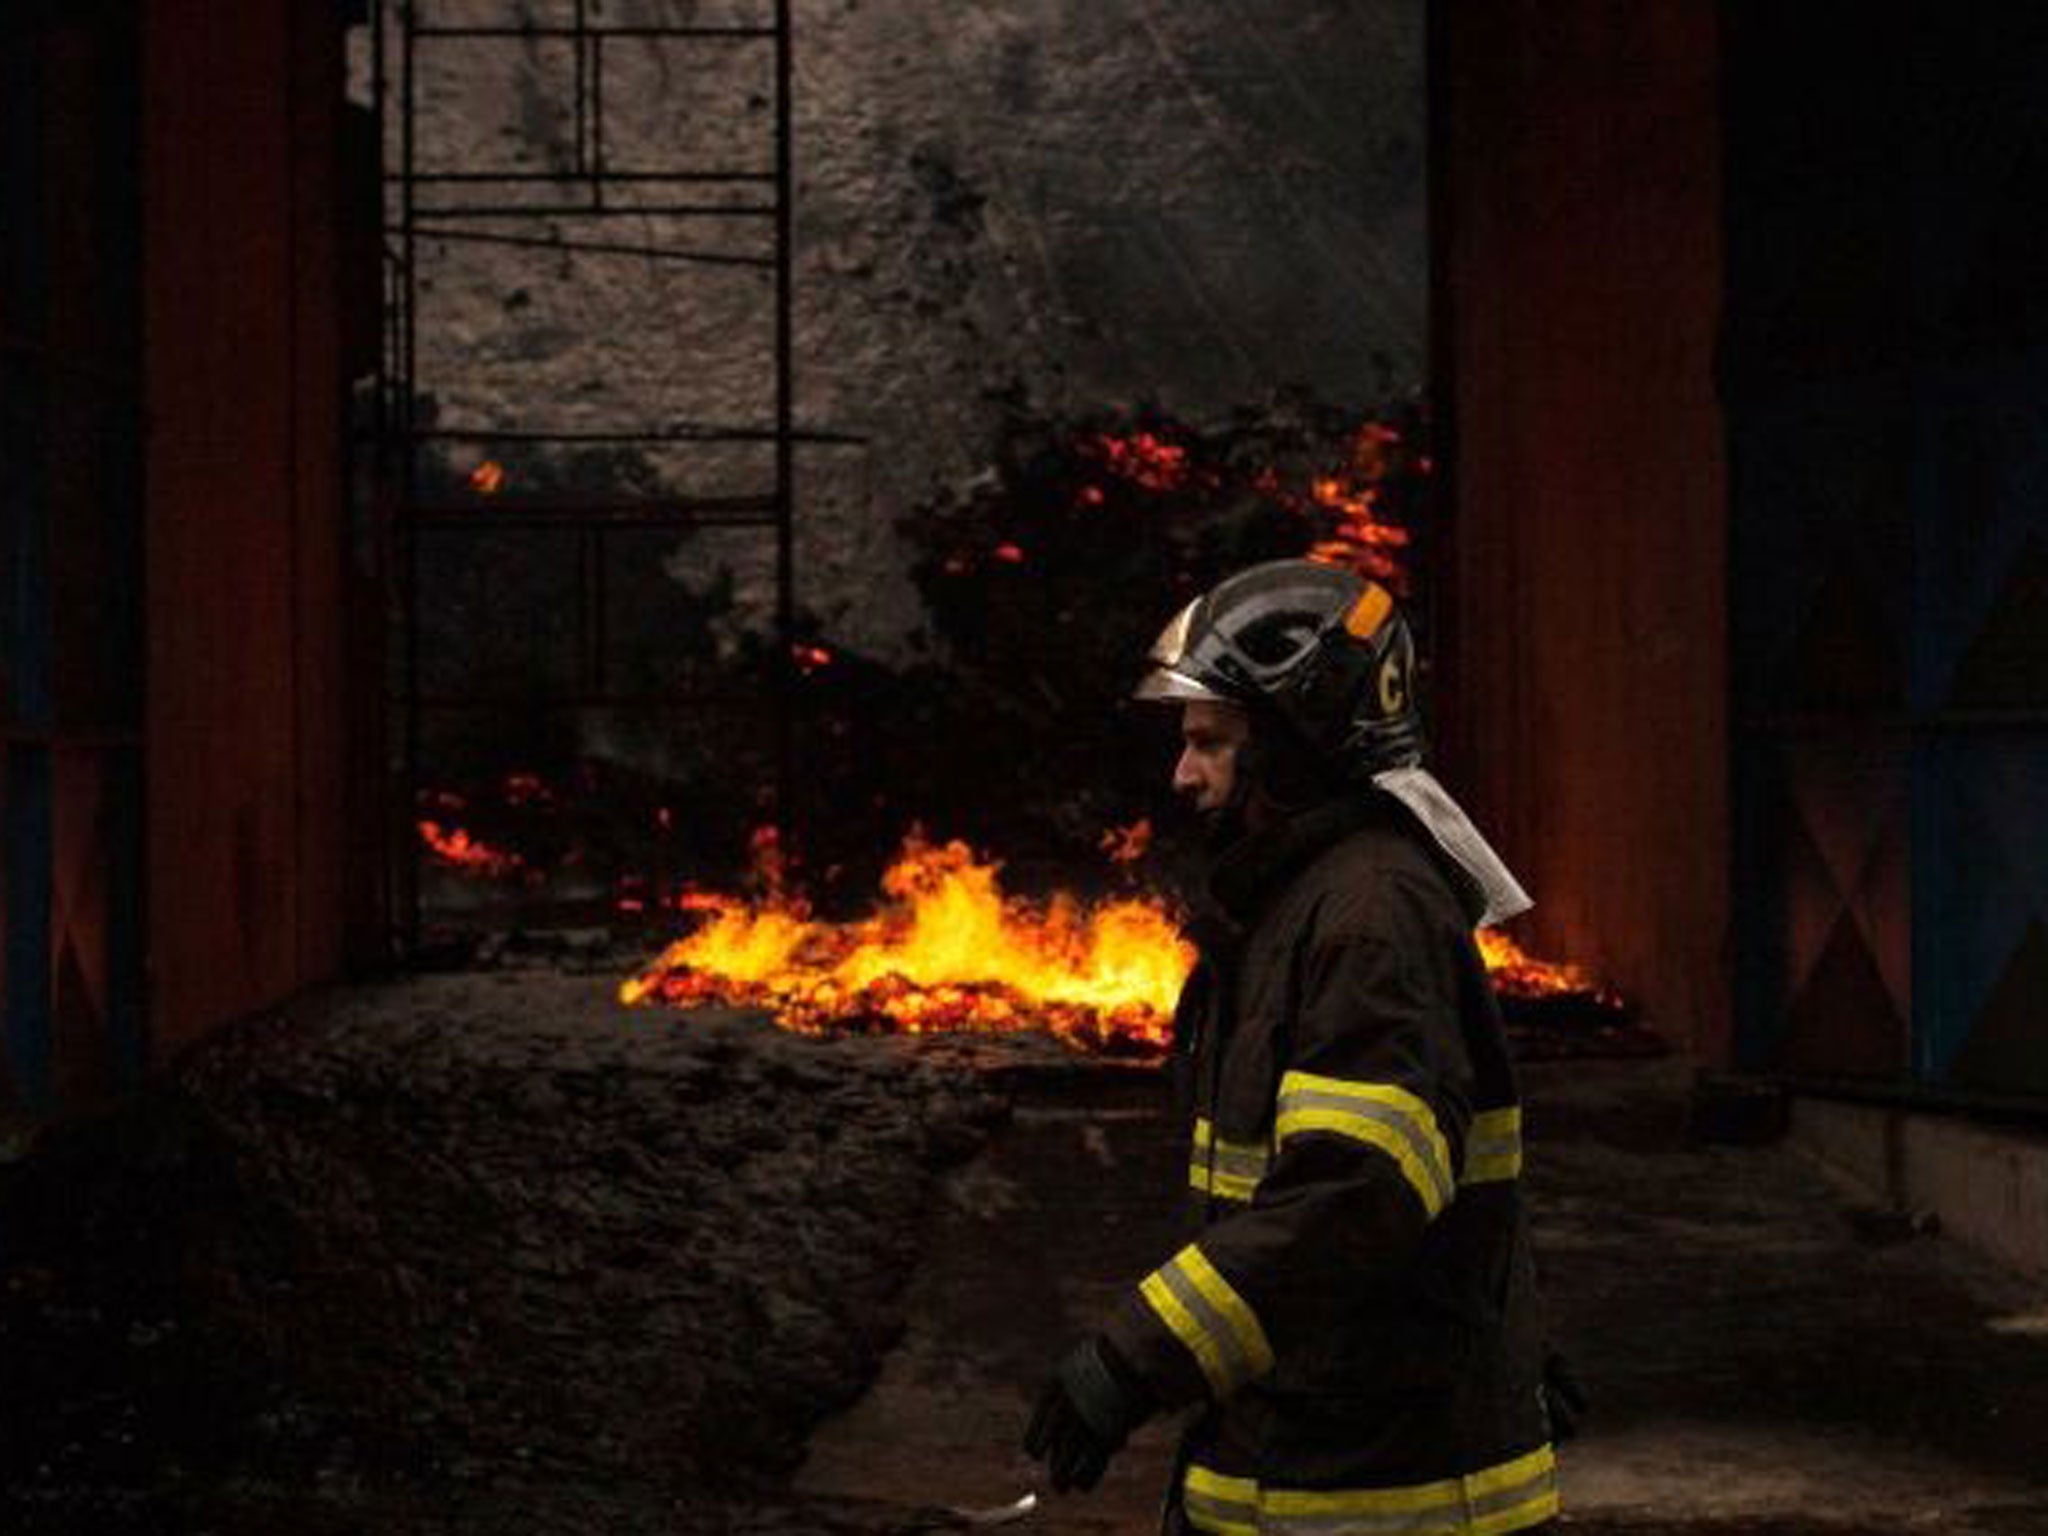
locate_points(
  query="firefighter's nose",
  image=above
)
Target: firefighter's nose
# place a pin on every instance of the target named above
(1187, 773)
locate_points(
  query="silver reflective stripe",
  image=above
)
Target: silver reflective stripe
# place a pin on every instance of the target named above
(1455, 1514)
(1493, 1146)
(1493, 1502)
(1229, 1169)
(1399, 1121)
(1215, 1511)
(1238, 1365)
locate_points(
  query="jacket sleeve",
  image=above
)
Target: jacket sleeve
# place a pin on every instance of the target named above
(1368, 1133)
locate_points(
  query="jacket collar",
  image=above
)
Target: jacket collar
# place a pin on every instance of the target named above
(1250, 872)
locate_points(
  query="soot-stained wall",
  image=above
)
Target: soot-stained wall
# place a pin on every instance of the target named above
(1092, 205)
(1584, 676)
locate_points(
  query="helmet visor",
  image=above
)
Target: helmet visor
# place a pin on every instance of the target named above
(1166, 686)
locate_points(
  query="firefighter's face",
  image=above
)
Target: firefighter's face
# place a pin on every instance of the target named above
(1212, 734)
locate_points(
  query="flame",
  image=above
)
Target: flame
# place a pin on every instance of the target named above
(1515, 974)
(810, 658)
(947, 951)
(453, 846)
(488, 478)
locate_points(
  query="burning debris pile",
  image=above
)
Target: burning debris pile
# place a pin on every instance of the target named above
(1556, 1011)
(1044, 579)
(1004, 719)
(949, 952)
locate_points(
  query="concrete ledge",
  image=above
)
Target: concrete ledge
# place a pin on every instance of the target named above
(1987, 1184)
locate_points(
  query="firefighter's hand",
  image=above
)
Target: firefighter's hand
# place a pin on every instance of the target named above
(1563, 1398)
(1085, 1414)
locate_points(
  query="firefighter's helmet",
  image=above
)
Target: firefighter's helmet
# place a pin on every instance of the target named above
(1322, 652)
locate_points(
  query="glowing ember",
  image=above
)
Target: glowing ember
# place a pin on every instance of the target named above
(488, 478)
(528, 789)
(948, 951)
(1359, 539)
(810, 658)
(1145, 459)
(1127, 845)
(1515, 974)
(454, 847)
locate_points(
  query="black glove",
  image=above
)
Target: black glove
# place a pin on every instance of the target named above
(1563, 1398)
(1085, 1414)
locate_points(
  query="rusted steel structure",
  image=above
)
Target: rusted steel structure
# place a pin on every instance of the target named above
(1740, 347)
(1741, 573)
(704, 217)
(175, 701)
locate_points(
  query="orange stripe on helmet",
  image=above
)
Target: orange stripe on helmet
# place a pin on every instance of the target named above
(1369, 612)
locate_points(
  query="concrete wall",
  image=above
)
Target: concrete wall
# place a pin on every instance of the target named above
(244, 520)
(1091, 204)
(1988, 1185)
(1584, 677)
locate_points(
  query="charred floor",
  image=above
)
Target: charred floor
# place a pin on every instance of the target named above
(486, 1252)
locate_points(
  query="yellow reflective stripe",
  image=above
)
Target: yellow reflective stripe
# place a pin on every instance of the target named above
(1244, 1323)
(1228, 1506)
(1493, 1146)
(1201, 1309)
(1381, 1114)
(1226, 1186)
(1230, 1169)
(1509, 1497)
(1544, 1506)
(1512, 1474)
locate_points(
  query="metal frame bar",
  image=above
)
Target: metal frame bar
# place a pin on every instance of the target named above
(593, 248)
(408, 880)
(578, 29)
(604, 193)
(739, 513)
(785, 428)
(570, 178)
(686, 432)
(609, 211)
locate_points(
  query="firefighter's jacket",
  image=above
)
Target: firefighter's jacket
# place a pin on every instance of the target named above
(1358, 1308)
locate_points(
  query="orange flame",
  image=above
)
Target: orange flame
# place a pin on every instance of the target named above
(488, 478)
(1515, 974)
(947, 951)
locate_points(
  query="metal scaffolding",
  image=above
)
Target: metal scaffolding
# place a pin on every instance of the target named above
(731, 216)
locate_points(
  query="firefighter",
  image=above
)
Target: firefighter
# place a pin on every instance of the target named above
(1356, 1316)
